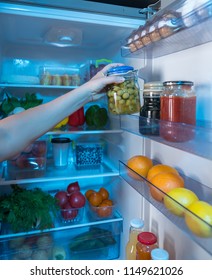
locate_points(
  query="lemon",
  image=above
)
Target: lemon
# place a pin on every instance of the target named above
(178, 197)
(199, 218)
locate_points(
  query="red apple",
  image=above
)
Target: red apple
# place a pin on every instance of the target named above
(68, 212)
(62, 198)
(77, 200)
(73, 187)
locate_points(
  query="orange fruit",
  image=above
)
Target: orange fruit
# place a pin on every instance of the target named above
(164, 182)
(88, 193)
(199, 218)
(95, 198)
(158, 168)
(140, 164)
(104, 193)
(109, 202)
(104, 210)
(178, 197)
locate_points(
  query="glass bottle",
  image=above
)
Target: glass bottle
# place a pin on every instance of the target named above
(136, 226)
(124, 98)
(147, 241)
(150, 111)
(177, 111)
(159, 254)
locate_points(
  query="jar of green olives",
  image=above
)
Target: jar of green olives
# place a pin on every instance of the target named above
(124, 98)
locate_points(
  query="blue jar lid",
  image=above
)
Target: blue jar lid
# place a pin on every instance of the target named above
(178, 83)
(159, 254)
(120, 70)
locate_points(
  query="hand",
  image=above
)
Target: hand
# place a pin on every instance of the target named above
(101, 80)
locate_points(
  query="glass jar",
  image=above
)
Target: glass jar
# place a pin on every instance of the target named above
(124, 98)
(178, 111)
(150, 111)
(147, 241)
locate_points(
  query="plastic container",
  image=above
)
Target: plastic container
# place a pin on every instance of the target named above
(124, 98)
(71, 215)
(147, 241)
(89, 154)
(136, 226)
(170, 23)
(159, 254)
(60, 149)
(31, 163)
(60, 76)
(101, 212)
(97, 65)
(153, 31)
(150, 111)
(137, 38)
(178, 107)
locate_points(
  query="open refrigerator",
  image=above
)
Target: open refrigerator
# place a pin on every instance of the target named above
(38, 37)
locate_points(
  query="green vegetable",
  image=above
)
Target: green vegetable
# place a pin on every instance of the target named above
(95, 238)
(27, 209)
(96, 116)
(10, 103)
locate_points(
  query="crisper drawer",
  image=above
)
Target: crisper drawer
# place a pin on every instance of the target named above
(99, 241)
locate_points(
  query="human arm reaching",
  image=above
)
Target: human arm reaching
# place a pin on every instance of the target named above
(18, 131)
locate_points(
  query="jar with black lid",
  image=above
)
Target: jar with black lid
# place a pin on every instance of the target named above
(150, 111)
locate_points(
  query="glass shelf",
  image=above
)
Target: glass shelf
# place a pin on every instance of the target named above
(106, 169)
(32, 86)
(142, 186)
(196, 140)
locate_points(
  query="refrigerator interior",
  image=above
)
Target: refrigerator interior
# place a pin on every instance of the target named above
(28, 50)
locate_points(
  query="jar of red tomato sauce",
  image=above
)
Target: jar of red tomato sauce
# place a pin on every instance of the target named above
(177, 111)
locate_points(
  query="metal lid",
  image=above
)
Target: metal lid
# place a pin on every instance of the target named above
(137, 223)
(61, 140)
(178, 83)
(156, 85)
(147, 238)
(159, 254)
(120, 70)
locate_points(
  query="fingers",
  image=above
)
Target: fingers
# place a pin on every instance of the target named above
(104, 71)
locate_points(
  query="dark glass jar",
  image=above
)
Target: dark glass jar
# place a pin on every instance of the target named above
(178, 111)
(150, 111)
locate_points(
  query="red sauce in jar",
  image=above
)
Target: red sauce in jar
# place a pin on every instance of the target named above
(176, 111)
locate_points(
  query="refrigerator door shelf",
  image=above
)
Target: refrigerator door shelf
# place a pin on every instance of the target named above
(194, 29)
(196, 140)
(142, 186)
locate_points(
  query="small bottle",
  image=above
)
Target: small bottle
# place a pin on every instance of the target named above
(159, 254)
(147, 241)
(136, 226)
(150, 111)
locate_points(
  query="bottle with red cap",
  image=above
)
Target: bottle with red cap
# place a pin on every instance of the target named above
(147, 241)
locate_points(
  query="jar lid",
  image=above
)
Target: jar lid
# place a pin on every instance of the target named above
(159, 254)
(156, 85)
(60, 140)
(120, 70)
(147, 238)
(137, 223)
(178, 83)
